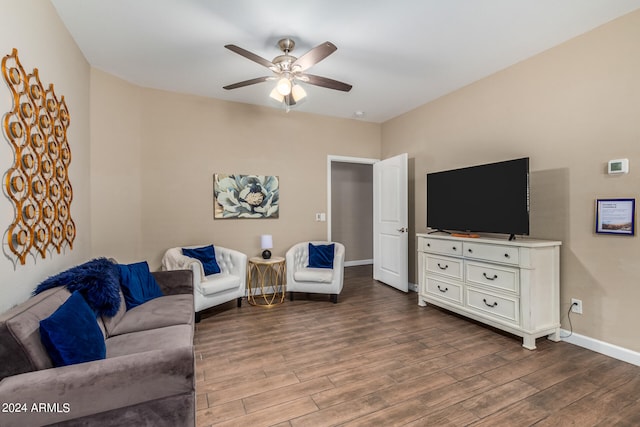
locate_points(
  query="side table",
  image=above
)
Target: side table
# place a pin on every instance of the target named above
(268, 276)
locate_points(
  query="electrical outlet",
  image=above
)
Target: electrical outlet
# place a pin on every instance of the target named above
(576, 306)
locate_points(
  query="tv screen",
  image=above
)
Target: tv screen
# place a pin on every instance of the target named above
(491, 198)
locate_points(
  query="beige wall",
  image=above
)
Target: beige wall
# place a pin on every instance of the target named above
(570, 109)
(155, 154)
(116, 173)
(33, 27)
(352, 209)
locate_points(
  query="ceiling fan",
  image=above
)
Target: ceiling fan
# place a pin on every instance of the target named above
(288, 69)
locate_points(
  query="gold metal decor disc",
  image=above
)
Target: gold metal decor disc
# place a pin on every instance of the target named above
(17, 183)
(21, 237)
(14, 75)
(15, 128)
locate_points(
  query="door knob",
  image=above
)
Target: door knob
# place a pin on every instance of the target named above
(403, 229)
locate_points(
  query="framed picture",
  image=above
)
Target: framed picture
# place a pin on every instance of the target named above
(245, 196)
(616, 216)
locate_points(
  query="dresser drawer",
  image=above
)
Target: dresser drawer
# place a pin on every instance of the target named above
(496, 253)
(494, 276)
(443, 290)
(447, 247)
(450, 267)
(500, 307)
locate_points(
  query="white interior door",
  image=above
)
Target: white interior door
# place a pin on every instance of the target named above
(390, 222)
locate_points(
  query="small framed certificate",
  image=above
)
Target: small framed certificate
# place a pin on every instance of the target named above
(616, 216)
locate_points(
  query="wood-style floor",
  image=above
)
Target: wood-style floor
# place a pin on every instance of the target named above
(378, 359)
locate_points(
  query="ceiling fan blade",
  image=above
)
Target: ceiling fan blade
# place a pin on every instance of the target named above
(314, 56)
(247, 82)
(325, 82)
(249, 55)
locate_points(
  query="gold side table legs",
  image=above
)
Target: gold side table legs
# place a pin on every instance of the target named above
(266, 280)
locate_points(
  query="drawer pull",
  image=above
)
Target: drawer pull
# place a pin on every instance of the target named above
(428, 245)
(495, 303)
(495, 276)
(443, 290)
(507, 256)
(454, 248)
(443, 268)
(469, 250)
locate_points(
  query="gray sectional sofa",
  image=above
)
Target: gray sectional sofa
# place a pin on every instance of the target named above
(146, 379)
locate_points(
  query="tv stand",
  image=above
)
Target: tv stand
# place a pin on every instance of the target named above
(510, 285)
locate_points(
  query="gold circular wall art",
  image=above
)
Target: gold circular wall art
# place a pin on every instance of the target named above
(36, 129)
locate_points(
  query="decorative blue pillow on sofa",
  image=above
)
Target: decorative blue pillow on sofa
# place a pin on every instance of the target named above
(207, 256)
(138, 284)
(321, 256)
(71, 334)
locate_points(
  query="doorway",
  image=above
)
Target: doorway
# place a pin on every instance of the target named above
(350, 206)
(387, 209)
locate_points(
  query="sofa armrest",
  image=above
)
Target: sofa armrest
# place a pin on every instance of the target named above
(175, 282)
(85, 389)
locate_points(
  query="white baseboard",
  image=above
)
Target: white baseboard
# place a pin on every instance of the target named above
(358, 262)
(605, 348)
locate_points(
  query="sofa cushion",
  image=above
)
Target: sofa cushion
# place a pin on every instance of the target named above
(318, 275)
(220, 282)
(110, 322)
(175, 282)
(206, 255)
(97, 280)
(155, 339)
(159, 312)
(71, 334)
(321, 256)
(138, 284)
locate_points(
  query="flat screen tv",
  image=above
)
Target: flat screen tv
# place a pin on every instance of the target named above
(490, 198)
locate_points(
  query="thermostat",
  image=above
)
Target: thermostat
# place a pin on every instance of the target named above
(618, 166)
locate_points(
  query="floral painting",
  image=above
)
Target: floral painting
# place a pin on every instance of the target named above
(245, 196)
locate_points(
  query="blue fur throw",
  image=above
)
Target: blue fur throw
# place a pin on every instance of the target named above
(97, 280)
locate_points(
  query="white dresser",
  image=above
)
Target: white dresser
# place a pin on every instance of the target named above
(510, 285)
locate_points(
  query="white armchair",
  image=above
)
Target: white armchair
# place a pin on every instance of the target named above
(214, 289)
(301, 278)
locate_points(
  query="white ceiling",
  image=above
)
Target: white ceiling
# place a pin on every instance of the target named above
(397, 54)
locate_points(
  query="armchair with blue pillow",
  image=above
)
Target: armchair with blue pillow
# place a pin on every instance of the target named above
(315, 267)
(219, 273)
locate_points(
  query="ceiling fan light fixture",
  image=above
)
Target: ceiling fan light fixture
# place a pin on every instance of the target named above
(298, 93)
(289, 70)
(284, 86)
(276, 96)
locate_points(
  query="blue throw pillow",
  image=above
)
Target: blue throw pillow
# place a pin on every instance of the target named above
(207, 256)
(71, 334)
(98, 281)
(321, 256)
(138, 284)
